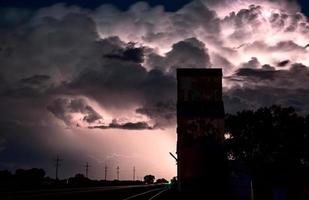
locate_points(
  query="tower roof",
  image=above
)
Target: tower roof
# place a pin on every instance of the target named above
(195, 72)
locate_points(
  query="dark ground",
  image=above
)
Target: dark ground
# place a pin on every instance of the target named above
(111, 192)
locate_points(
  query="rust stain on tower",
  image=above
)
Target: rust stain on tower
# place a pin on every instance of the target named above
(200, 129)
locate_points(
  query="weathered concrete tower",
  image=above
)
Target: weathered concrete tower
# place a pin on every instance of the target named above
(200, 128)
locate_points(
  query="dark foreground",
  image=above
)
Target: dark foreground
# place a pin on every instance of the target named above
(151, 192)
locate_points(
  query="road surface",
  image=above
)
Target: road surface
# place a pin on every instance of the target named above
(137, 192)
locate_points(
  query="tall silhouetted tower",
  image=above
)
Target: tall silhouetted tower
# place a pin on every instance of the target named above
(200, 129)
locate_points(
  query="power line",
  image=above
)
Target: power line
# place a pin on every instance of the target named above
(87, 169)
(105, 172)
(134, 173)
(58, 160)
(117, 172)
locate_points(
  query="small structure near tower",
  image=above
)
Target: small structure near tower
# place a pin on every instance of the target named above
(202, 164)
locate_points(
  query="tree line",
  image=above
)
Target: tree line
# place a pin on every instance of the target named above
(35, 178)
(274, 144)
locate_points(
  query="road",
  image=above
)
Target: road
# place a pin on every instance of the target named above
(141, 192)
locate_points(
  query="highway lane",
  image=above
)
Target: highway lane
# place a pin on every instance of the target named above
(151, 194)
(107, 192)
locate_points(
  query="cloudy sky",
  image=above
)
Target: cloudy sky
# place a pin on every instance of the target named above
(95, 82)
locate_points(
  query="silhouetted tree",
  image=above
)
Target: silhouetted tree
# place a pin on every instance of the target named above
(5, 175)
(161, 180)
(79, 180)
(149, 179)
(29, 177)
(274, 142)
(6, 178)
(174, 182)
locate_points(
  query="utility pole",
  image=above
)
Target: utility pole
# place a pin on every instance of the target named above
(117, 172)
(87, 169)
(134, 173)
(58, 160)
(105, 170)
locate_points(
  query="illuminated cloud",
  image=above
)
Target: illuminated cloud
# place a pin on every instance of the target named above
(122, 60)
(64, 109)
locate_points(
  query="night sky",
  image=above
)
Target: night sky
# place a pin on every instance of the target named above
(94, 81)
(169, 5)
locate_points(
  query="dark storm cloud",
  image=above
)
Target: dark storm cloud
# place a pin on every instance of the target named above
(283, 63)
(71, 51)
(63, 109)
(249, 15)
(122, 82)
(63, 43)
(277, 19)
(253, 98)
(13, 17)
(128, 126)
(131, 126)
(110, 88)
(164, 113)
(36, 79)
(59, 48)
(253, 63)
(221, 62)
(295, 77)
(287, 46)
(189, 53)
(267, 86)
(34, 86)
(259, 74)
(130, 53)
(295, 22)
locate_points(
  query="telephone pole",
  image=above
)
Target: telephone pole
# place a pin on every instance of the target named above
(87, 169)
(58, 160)
(105, 170)
(117, 172)
(133, 173)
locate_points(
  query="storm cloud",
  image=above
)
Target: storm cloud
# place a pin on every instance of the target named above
(128, 126)
(76, 52)
(64, 108)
